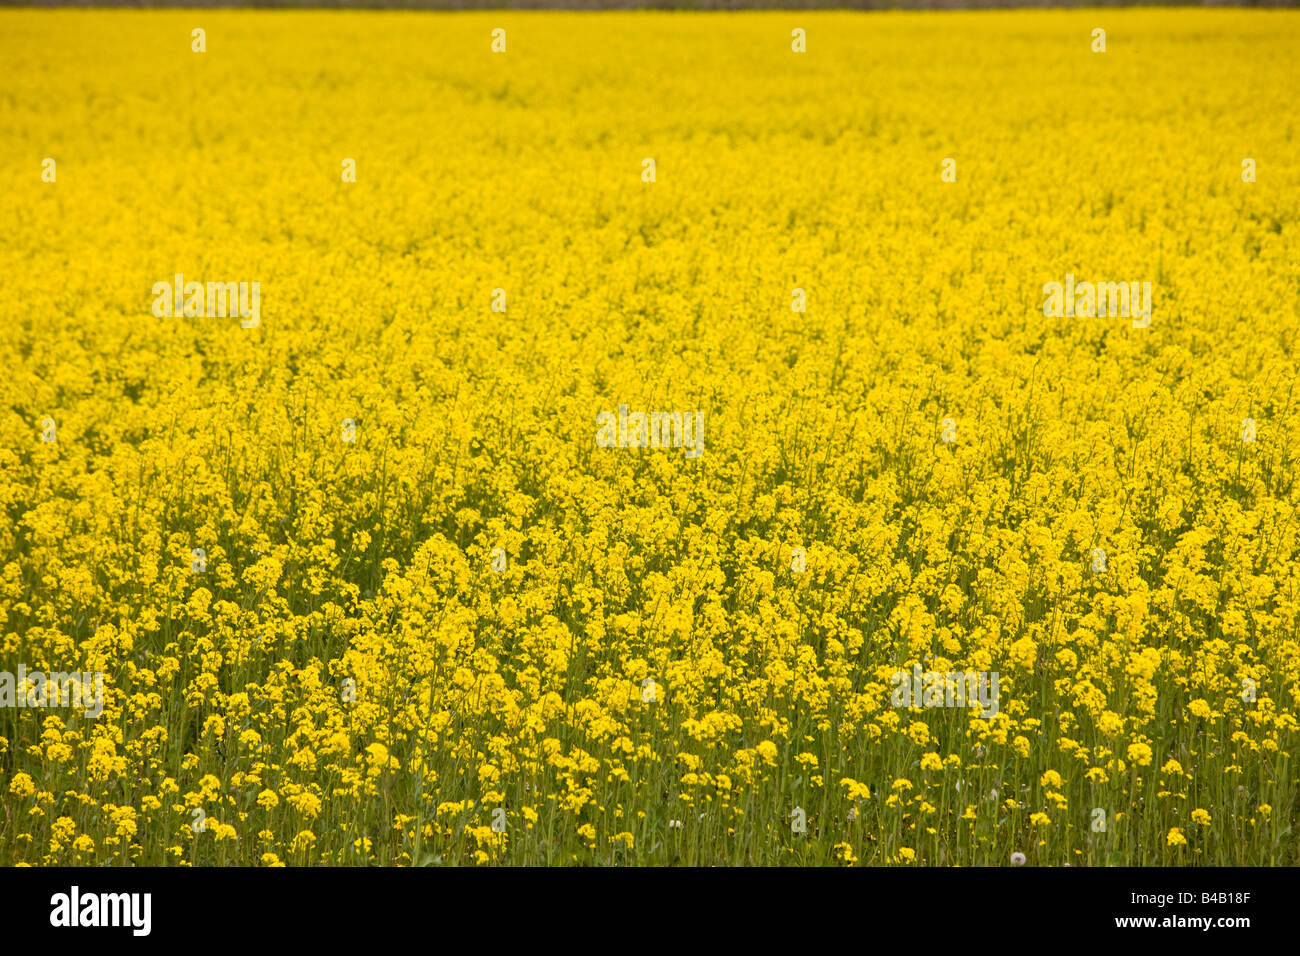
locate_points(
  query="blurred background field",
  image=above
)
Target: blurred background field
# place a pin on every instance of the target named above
(646, 4)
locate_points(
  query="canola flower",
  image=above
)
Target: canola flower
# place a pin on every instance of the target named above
(363, 586)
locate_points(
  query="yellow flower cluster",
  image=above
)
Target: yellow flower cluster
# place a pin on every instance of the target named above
(363, 587)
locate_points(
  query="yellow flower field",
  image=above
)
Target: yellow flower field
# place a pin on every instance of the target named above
(364, 583)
